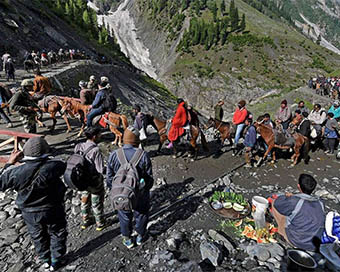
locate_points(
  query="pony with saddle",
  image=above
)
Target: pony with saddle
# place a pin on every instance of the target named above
(193, 129)
(278, 140)
(225, 129)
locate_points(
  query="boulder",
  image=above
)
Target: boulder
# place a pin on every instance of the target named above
(211, 252)
(221, 240)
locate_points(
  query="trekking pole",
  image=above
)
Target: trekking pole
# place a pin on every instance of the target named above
(160, 211)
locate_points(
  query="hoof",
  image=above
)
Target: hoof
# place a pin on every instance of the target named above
(192, 159)
(174, 156)
(272, 161)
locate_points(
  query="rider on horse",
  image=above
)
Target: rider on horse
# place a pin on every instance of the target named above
(24, 103)
(219, 110)
(41, 87)
(92, 84)
(178, 122)
(239, 117)
(139, 117)
(86, 94)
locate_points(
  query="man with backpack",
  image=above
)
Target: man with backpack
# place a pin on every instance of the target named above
(40, 198)
(95, 193)
(129, 176)
(104, 101)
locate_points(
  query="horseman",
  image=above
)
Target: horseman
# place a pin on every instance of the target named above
(24, 103)
(178, 122)
(98, 107)
(140, 122)
(86, 95)
(41, 86)
(239, 118)
(249, 141)
(283, 114)
(304, 126)
(92, 84)
(219, 110)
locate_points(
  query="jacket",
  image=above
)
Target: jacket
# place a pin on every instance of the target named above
(178, 122)
(218, 112)
(240, 116)
(99, 99)
(46, 192)
(331, 128)
(42, 85)
(250, 138)
(21, 101)
(144, 166)
(318, 117)
(9, 67)
(302, 224)
(335, 111)
(304, 127)
(283, 115)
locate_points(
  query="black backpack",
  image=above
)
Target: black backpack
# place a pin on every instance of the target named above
(80, 173)
(110, 102)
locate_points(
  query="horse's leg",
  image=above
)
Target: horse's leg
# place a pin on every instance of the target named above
(270, 147)
(69, 129)
(175, 150)
(40, 124)
(162, 139)
(54, 121)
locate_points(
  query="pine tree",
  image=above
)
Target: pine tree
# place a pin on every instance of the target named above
(59, 7)
(214, 11)
(231, 8)
(86, 18)
(222, 7)
(67, 9)
(81, 4)
(243, 23)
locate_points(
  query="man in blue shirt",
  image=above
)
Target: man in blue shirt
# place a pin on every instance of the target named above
(300, 217)
(249, 141)
(97, 104)
(144, 168)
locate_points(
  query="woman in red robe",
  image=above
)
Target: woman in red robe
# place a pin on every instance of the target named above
(178, 122)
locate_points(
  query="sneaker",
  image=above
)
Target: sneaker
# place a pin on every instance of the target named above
(170, 145)
(101, 226)
(85, 225)
(327, 151)
(127, 242)
(139, 240)
(45, 267)
(9, 125)
(248, 165)
(56, 265)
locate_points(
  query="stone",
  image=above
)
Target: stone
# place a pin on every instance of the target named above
(161, 256)
(9, 236)
(18, 267)
(76, 201)
(221, 240)
(3, 216)
(211, 252)
(325, 194)
(263, 255)
(189, 266)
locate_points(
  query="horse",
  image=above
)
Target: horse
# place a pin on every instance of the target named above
(225, 128)
(54, 105)
(267, 133)
(114, 120)
(195, 131)
(75, 109)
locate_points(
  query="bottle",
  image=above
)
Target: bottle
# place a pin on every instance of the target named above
(141, 184)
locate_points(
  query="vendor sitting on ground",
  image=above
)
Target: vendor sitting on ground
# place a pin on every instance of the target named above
(300, 217)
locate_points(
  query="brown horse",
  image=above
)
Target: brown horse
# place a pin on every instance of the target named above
(195, 131)
(54, 105)
(225, 128)
(75, 109)
(115, 120)
(267, 133)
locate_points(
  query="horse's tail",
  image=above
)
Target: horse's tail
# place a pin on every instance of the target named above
(305, 150)
(204, 142)
(124, 121)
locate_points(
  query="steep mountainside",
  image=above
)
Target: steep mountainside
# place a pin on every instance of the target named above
(194, 49)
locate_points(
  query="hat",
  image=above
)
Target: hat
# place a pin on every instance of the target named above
(82, 84)
(26, 82)
(104, 79)
(284, 102)
(336, 103)
(131, 136)
(36, 147)
(92, 77)
(242, 103)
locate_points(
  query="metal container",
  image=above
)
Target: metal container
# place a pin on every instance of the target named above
(299, 260)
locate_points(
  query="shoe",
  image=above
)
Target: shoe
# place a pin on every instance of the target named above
(248, 165)
(139, 240)
(57, 264)
(45, 267)
(327, 151)
(101, 226)
(127, 242)
(9, 125)
(85, 225)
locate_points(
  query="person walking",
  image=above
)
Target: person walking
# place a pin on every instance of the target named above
(93, 197)
(330, 132)
(3, 104)
(249, 141)
(144, 168)
(23, 102)
(40, 198)
(10, 69)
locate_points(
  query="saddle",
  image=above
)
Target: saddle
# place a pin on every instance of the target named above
(101, 120)
(283, 139)
(46, 101)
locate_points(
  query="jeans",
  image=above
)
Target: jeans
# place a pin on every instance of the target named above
(93, 113)
(285, 124)
(329, 144)
(239, 130)
(48, 232)
(141, 215)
